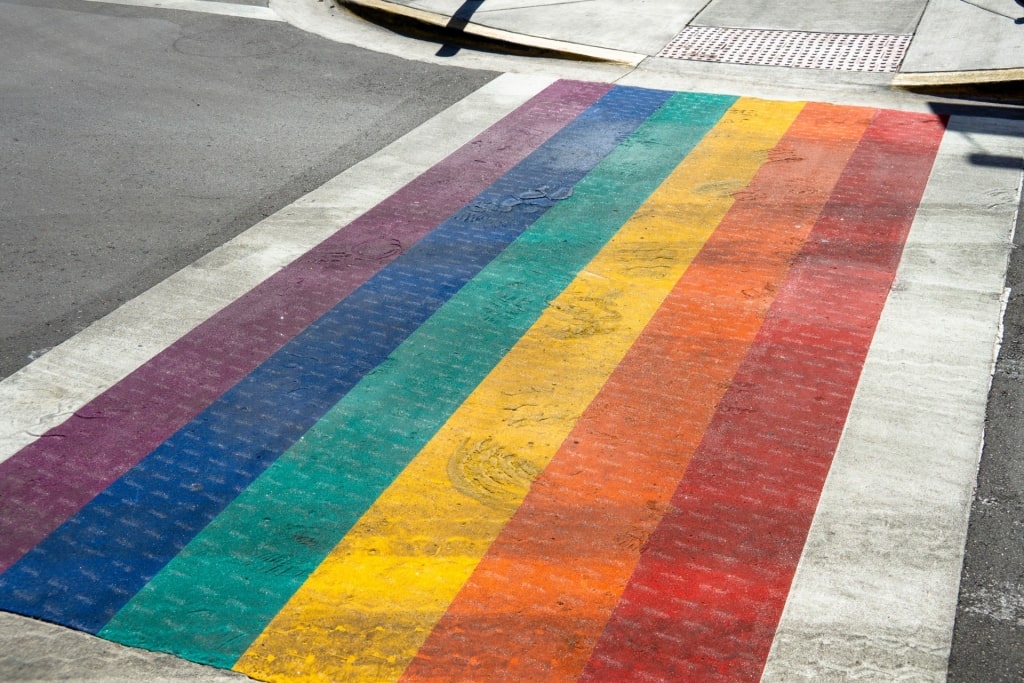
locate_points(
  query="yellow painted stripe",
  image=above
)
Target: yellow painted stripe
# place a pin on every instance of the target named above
(363, 614)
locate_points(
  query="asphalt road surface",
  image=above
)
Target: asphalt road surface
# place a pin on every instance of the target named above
(134, 140)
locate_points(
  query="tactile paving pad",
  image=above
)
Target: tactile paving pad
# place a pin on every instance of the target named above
(797, 49)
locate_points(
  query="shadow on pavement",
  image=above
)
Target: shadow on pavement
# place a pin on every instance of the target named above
(458, 22)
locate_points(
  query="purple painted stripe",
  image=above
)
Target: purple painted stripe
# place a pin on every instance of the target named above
(52, 478)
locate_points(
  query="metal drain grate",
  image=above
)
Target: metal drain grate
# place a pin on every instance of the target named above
(798, 49)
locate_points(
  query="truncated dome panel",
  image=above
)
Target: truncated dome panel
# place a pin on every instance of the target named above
(799, 49)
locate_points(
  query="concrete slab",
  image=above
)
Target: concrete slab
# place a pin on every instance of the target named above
(621, 45)
(248, 9)
(843, 16)
(966, 42)
(37, 652)
(955, 41)
(990, 613)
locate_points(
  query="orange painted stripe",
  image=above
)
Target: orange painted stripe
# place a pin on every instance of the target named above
(535, 606)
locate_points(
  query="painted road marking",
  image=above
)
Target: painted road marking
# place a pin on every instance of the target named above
(53, 477)
(470, 478)
(532, 573)
(109, 550)
(502, 454)
(325, 483)
(876, 589)
(39, 397)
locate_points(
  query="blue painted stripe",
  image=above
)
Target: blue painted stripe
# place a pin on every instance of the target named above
(91, 566)
(215, 597)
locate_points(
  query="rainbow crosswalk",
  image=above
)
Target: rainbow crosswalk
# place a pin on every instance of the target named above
(560, 408)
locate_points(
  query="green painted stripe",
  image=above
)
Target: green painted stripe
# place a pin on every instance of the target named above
(215, 597)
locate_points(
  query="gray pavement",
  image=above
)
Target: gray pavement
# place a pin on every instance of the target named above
(34, 651)
(958, 41)
(183, 129)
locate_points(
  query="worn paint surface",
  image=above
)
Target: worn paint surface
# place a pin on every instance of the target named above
(560, 409)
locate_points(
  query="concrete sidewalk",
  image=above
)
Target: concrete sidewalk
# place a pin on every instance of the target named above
(918, 42)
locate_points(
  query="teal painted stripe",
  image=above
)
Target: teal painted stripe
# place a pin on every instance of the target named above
(214, 598)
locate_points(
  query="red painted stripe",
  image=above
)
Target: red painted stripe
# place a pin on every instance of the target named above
(563, 560)
(706, 597)
(51, 479)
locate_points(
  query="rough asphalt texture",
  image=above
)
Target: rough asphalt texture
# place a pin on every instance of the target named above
(180, 131)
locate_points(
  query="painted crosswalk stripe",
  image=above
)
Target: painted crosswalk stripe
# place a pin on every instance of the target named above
(117, 542)
(417, 544)
(53, 477)
(532, 572)
(707, 594)
(878, 578)
(327, 476)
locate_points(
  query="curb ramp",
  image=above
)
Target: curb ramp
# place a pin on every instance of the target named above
(442, 28)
